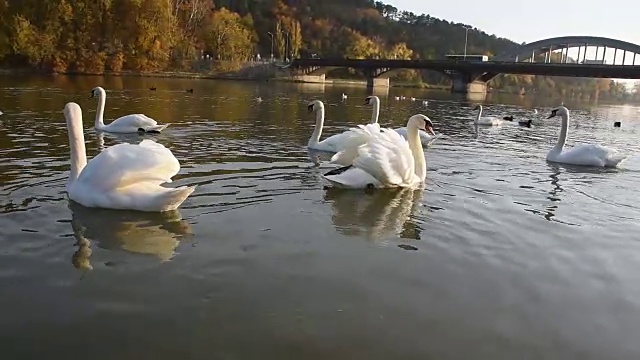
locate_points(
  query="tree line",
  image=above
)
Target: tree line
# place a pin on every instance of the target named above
(97, 36)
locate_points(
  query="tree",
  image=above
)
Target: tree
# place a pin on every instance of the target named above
(227, 37)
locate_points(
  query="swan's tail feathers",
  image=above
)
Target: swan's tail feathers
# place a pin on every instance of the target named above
(154, 128)
(173, 198)
(616, 159)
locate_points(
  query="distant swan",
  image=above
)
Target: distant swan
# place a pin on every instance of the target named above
(336, 142)
(386, 160)
(425, 138)
(127, 124)
(584, 154)
(485, 120)
(123, 176)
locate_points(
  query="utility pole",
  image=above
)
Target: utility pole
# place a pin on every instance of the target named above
(271, 35)
(466, 37)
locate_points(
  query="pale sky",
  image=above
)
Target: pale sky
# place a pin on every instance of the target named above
(528, 21)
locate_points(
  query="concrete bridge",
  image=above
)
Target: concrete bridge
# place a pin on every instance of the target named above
(472, 76)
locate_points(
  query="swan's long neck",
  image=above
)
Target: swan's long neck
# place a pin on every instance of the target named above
(479, 113)
(420, 163)
(100, 111)
(376, 112)
(317, 131)
(78, 151)
(563, 133)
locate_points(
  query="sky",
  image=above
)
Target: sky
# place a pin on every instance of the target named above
(529, 21)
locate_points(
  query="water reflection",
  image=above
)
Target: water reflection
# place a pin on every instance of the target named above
(374, 214)
(155, 234)
(553, 194)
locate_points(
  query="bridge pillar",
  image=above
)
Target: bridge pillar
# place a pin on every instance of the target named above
(316, 79)
(376, 82)
(467, 84)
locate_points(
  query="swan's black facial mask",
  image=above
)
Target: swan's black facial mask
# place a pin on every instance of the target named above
(367, 101)
(310, 108)
(553, 114)
(92, 94)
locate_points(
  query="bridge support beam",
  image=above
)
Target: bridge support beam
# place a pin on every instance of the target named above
(467, 84)
(376, 82)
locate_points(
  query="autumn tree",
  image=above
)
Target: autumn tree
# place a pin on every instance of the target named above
(227, 37)
(361, 47)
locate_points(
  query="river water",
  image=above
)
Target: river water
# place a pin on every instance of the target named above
(501, 256)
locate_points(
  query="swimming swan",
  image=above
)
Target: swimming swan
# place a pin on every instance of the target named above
(123, 176)
(583, 154)
(336, 142)
(425, 138)
(485, 120)
(387, 160)
(127, 124)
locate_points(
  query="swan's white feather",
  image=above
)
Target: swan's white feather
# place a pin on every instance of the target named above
(342, 141)
(131, 123)
(350, 151)
(489, 120)
(583, 154)
(129, 176)
(588, 155)
(385, 158)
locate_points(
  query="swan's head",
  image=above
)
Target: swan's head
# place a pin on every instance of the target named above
(96, 92)
(559, 111)
(315, 105)
(421, 122)
(72, 112)
(371, 100)
(477, 107)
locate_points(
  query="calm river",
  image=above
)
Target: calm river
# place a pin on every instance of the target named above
(501, 256)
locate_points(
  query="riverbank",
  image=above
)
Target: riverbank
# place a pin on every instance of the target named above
(259, 72)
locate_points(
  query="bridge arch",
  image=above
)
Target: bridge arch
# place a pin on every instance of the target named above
(524, 52)
(528, 52)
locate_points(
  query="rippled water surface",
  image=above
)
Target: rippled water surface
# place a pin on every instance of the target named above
(501, 256)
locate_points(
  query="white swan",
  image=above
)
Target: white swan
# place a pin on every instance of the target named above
(584, 154)
(386, 160)
(123, 176)
(127, 124)
(336, 142)
(485, 120)
(425, 138)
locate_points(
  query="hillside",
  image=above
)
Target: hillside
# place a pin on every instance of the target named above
(94, 36)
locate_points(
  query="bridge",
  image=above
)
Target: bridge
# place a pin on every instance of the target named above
(472, 76)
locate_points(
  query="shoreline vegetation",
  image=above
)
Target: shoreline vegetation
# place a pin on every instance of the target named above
(217, 39)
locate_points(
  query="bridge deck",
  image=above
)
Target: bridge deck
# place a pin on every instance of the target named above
(479, 67)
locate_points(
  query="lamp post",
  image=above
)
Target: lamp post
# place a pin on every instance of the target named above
(271, 35)
(466, 37)
(286, 46)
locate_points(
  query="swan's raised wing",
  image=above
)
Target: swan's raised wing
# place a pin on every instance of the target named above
(126, 164)
(387, 157)
(350, 152)
(353, 137)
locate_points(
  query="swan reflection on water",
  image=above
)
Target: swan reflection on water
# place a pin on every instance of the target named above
(155, 234)
(375, 214)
